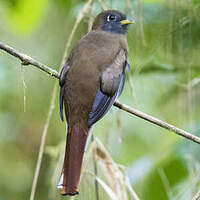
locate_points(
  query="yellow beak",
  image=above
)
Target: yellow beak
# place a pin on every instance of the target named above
(127, 21)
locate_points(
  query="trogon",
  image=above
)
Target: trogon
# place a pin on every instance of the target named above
(90, 81)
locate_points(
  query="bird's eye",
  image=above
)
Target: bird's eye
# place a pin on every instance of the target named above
(111, 18)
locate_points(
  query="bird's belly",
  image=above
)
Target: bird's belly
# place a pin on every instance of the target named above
(80, 92)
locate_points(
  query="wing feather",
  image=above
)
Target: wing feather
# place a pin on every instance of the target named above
(63, 74)
(103, 103)
(111, 86)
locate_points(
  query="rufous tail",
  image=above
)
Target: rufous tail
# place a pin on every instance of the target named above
(75, 146)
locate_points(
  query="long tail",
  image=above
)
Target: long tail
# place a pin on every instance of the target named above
(76, 140)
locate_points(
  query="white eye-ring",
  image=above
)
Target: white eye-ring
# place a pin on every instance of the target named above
(111, 18)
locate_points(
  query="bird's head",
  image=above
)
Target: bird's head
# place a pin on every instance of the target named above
(112, 21)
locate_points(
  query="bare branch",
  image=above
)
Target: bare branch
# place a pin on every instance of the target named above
(27, 60)
(158, 122)
(30, 61)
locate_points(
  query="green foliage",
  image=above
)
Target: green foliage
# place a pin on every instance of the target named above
(24, 15)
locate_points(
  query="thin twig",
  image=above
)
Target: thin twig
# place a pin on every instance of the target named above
(78, 20)
(106, 188)
(140, 26)
(196, 196)
(166, 184)
(27, 60)
(42, 144)
(91, 16)
(95, 171)
(132, 191)
(158, 122)
(117, 180)
(103, 5)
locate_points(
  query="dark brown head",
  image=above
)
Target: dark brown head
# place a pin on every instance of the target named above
(112, 21)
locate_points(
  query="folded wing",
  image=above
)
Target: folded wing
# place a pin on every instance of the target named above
(111, 85)
(63, 74)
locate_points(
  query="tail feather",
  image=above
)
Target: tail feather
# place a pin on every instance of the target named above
(76, 140)
(60, 184)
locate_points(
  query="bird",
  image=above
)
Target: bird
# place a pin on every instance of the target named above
(91, 80)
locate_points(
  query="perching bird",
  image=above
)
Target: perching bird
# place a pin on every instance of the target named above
(90, 81)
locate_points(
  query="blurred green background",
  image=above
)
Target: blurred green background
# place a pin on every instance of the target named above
(164, 82)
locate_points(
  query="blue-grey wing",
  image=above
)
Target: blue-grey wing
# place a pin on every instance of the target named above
(61, 102)
(111, 86)
(62, 84)
(100, 107)
(104, 102)
(121, 84)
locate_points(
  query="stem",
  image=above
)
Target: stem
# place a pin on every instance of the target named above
(158, 122)
(95, 171)
(27, 60)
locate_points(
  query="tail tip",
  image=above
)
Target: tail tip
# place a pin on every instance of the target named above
(64, 192)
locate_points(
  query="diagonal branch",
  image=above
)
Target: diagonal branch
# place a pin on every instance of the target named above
(158, 122)
(27, 60)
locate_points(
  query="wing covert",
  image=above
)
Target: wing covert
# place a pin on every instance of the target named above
(111, 86)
